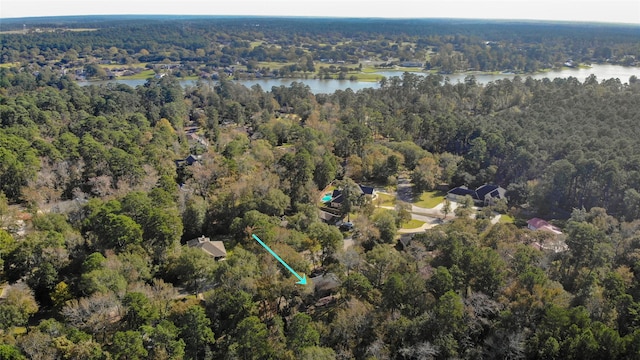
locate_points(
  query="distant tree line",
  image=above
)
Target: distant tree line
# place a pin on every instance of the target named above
(442, 45)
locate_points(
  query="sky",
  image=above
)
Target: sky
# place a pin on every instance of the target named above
(616, 11)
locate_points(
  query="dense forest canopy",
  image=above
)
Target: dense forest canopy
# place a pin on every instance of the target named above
(101, 188)
(446, 45)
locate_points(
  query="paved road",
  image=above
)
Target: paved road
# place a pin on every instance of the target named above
(405, 189)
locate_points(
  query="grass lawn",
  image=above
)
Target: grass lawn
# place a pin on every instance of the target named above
(380, 210)
(143, 75)
(507, 219)
(273, 64)
(370, 69)
(430, 199)
(413, 224)
(359, 76)
(19, 330)
(123, 66)
(366, 76)
(399, 69)
(385, 200)
(410, 69)
(10, 65)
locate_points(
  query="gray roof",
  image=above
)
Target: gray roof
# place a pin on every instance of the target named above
(215, 249)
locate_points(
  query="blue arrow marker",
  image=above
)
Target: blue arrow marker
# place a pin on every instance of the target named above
(303, 278)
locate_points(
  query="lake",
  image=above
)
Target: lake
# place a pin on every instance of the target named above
(602, 72)
(318, 86)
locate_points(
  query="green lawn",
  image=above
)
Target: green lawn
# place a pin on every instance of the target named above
(385, 200)
(380, 210)
(413, 224)
(143, 75)
(359, 76)
(10, 65)
(507, 219)
(429, 199)
(18, 330)
(273, 64)
(365, 76)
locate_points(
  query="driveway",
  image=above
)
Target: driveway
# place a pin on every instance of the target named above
(404, 190)
(347, 243)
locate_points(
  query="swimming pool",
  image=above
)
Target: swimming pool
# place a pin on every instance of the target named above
(327, 197)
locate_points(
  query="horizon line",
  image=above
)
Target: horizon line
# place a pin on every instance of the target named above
(559, 21)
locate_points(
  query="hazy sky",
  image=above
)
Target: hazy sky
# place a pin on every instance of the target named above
(616, 11)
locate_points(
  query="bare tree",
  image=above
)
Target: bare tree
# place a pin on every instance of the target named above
(97, 314)
(421, 351)
(446, 208)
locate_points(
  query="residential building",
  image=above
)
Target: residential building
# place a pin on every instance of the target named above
(485, 195)
(215, 249)
(540, 224)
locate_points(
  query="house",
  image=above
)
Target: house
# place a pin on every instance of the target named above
(328, 217)
(326, 284)
(555, 241)
(486, 194)
(215, 249)
(189, 160)
(540, 224)
(337, 198)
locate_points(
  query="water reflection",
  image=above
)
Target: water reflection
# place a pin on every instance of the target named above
(318, 86)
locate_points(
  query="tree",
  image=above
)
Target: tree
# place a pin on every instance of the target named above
(440, 282)
(162, 232)
(426, 174)
(227, 306)
(301, 333)
(359, 286)
(139, 310)
(60, 294)
(351, 196)
(37, 345)
(128, 345)
(325, 171)
(10, 352)
(448, 314)
(7, 246)
(299, 170)
(329, 237)
(385, 222)
(162, 341)
(274, 203)
(192, 268)
(95, 71)
(317, 353)
(117, 231)
(193, 217)
(403, 210)
(17, 307)
(446, 208)
(252, 340)
(96, 314)
(383, 261)
(195, 331)
(104, 277)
